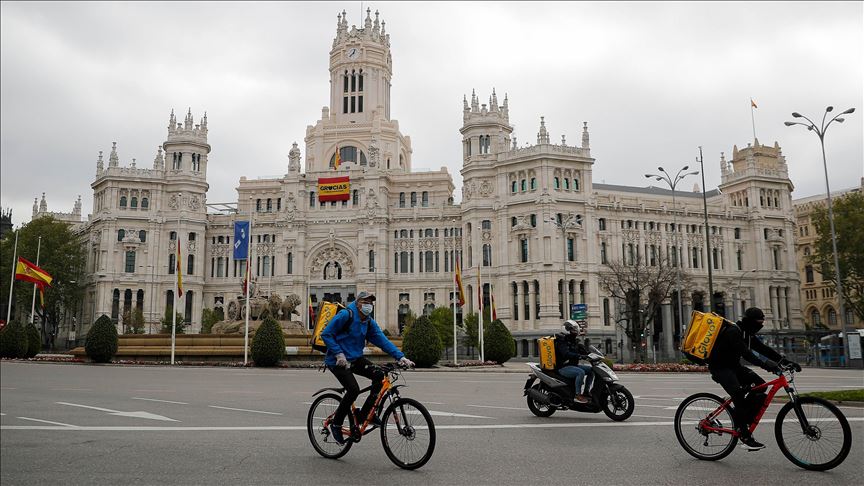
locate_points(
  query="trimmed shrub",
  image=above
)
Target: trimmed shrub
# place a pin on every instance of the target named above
(268, 344)
(101, 343)
(209, 317)
(13, 341)
(180, 326)
(421, 344)
(34, 340)
(498, 342)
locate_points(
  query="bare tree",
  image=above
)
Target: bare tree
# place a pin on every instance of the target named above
(642, 288)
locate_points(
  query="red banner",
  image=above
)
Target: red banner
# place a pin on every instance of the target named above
(334, 189)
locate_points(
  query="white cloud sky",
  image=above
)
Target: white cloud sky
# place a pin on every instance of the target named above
(653, 80)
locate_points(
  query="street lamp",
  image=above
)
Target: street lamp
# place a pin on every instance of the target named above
(572, 222)
(709, 256)
(820, 132)
(738, 293)
(673, 183)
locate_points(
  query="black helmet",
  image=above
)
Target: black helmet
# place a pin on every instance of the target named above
(753, 320)
(573, 327)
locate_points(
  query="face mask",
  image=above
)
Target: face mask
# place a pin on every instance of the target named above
(366, 309)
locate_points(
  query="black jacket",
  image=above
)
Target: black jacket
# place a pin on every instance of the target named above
(734, 343)
(567, 350)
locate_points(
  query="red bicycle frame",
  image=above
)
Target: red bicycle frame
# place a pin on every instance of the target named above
(776, 385)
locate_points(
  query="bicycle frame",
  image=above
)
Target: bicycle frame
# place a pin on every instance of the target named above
(776, 384)
(388, 389)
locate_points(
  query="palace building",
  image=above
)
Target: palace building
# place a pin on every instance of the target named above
(531, 219)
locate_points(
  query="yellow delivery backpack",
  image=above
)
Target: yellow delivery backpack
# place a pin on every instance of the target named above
(326, 312)
(547, 352)
(701, 335)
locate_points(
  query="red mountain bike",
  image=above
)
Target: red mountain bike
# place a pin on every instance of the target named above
(811, 432)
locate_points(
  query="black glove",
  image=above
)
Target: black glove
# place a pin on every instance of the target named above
(795, 366)
(771, 366)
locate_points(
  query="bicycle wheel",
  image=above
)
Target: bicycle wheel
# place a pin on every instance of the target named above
(322, 408)
(698, 442)
(408, 433)
(826, 441)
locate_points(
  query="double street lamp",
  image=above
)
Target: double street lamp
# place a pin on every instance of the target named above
(673, 183)
(820, 132)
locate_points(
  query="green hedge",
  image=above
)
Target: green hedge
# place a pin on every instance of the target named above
(34, 340)
(498, 343)
(421, 343)
(101, 343)
(13, 341)
(268, 344)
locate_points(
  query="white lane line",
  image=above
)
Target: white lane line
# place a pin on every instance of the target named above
(71, 389)
(152, 390)
(160, 401)
(661, 399)
(652, 416)
(303, 427)
(139, 414)
(47, 422)
(442, 414)
(436, 403)
(490, 406)
(7, 388)
(2, 414)
(245, 410)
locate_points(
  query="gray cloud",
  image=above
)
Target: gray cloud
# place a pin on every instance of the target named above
(653, 81)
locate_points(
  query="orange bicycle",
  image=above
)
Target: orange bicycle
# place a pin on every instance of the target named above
(407, 430)
(811, 432)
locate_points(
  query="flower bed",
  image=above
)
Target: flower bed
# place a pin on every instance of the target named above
(470, 364)
(661, 368)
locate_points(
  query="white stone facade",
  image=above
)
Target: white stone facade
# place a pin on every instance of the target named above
(397, 234)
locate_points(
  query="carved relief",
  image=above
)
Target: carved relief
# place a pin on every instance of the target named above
(330, 256)
(631, 235)
(173, 202)
(194, 203)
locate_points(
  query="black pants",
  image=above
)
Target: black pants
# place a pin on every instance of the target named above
(737, 382)
(363, 367)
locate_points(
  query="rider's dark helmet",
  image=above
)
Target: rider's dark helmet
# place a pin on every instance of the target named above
(753, 320)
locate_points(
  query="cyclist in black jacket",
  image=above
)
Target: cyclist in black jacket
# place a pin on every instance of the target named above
(736, 342)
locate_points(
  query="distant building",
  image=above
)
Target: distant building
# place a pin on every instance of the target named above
(818, 297)
(5, 222)
(399, 231)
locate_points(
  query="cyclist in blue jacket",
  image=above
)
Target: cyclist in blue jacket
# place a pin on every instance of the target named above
(345, 337)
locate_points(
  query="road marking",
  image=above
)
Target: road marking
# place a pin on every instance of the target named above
(71, 389)
(151, 390)
(160, 401)
(490, 406)
(2, 414)
(7, 388)
(661, 399)
(435, 403)
(139, 414)
(278, 428)
(245, 410)
(47, 422)
(450, 414)
(651, 416)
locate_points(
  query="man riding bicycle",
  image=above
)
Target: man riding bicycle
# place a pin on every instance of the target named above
(346, 336)
(733, 343)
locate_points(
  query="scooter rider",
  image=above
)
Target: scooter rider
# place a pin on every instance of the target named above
(567, 354)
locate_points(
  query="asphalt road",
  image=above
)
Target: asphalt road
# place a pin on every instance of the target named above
(88, 424)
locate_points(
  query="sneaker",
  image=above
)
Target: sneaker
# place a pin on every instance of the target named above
(336, 433)
(751, 444)
(580, 399)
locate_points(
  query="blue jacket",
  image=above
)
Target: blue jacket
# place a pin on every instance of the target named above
(349, 338)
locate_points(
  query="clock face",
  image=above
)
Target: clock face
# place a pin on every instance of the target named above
(353, 53)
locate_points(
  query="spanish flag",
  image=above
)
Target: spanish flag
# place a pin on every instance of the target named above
(311, 314)
(753, 103)
(338, 159)
(179, 271)
(29, 272)
(461, 295)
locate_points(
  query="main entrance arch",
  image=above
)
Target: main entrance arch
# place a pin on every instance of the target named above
(332, 275)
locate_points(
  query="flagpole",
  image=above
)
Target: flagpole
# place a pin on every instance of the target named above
(248, 283)
(33, 303)
(753, 117)
(176, 287)
(480, 328)
(455, 300)
(12, 280)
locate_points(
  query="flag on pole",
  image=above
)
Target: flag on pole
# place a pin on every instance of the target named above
(311, 312)
(42, 297)
(246, 276)
(29, 272)
(179, 271)
(337, 160)
(461, 292)
(753, 103)
(241, 240)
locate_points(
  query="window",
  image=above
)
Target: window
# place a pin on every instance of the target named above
(133, 203)
(695, 258)
(401, 199)
(606, 313)
(130, 262)
(371, 260)
(311, 199)
(513, 186)
(279, 204)
(715, 256)
(190, 265)
(425, 199)
(355, 197)
(121, 234)
(777, 262)
(571, 253)
(556, 183)
(486, 224)
(513, 221)
(172, 263)
(737, 233)
(290, 268)
(220, 267)
(523, 250)
(487, 255)
(808, 271)
(566, 184)
(123, 202)
(142, 236)
(740, 258)
(815, 318)
(257, 205)
(524, 185)
(832, 317)
(602, 222)
(191, 236)
(115, 305)
(533, 183)
(413, 199)
(603, 258)
(575, 184)
(269, 205)
(533, 220)
(172, 236)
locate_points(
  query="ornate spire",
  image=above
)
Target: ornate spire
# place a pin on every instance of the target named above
(35, 206)
(377, 25)
(113, 159)
(43, 205)
(76, 209)
(367, 24)
(99, 165)
(159, 161)
(133, 162)
(506, 108)
(515, 146)
(494, 101)
(563, 141)
(724, 167)
(465, 106)
(585, 138)
(187, 124)
(542, 135)
(475, 103)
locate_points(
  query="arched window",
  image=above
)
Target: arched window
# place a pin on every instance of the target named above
(487, 255)
(290, 263)
(134, 202)
(513, 186)
(575, 184)
(524, 185)
(311, 199)
(832, 317)
(557, 183)
(139, 300)
(513, 221)
(606, 312)
(145, 203)
(815, 318)
(348, 154)
(566, 184)
(121, 234)
(122, 201)
(269, 205)
(533, 183)
(355, 197)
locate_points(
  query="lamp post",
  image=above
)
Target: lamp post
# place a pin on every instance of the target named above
(820, 132)
(572, 222)
(710, 258)
(738, 293)
(673, 183)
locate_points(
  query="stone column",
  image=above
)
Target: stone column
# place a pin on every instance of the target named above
(668, 332)
(532, 306)
(772, 293)
(520, 309)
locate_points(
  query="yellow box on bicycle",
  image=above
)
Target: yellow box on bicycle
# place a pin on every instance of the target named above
(701, 335)
(547, 352)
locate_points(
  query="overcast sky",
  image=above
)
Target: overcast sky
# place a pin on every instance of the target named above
(653, 80)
